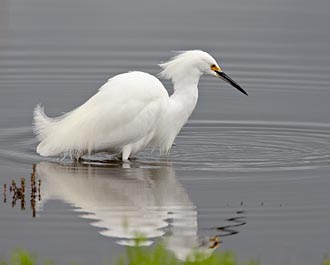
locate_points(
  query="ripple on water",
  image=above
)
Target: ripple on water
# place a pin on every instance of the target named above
(223, 146)
(247, 146)
(18, 145)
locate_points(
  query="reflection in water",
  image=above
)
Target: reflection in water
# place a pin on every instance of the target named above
(229, 230)
(128, 202)
(19, 192)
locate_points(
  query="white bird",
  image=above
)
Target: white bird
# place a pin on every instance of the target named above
(130, 112)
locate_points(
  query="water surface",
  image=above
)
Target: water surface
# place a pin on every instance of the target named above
(253, 171)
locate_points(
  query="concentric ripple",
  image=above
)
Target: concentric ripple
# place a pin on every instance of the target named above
(254, 147)
(223, 146)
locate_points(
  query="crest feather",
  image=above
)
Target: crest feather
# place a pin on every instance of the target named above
(177, 66)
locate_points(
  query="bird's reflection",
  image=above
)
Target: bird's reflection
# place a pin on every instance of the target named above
(129, 202)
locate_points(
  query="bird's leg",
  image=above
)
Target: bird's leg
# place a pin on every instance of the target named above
(120, 157)
(126, 151)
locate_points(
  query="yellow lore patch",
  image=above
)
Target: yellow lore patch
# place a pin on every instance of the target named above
(215, 68)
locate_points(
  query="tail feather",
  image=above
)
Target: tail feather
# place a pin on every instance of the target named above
(58, 136)
(42, 124)
(44, 128)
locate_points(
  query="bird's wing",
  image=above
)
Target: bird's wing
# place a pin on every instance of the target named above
(124, 110)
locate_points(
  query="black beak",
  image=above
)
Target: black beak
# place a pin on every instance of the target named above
(227, 79)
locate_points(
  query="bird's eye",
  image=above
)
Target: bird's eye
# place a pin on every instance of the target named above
(213, 66)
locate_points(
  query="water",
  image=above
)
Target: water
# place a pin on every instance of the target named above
(252, 170)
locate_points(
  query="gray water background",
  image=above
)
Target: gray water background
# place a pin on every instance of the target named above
(262, 160)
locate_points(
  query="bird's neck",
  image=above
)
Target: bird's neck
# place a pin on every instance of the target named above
(186, 92)
(184, 98)
(181, 104)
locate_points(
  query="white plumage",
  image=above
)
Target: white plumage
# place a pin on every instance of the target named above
(129, 112)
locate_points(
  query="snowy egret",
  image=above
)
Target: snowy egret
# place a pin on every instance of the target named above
(130, 112)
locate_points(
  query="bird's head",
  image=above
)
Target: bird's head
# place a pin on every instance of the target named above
(195, 63)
